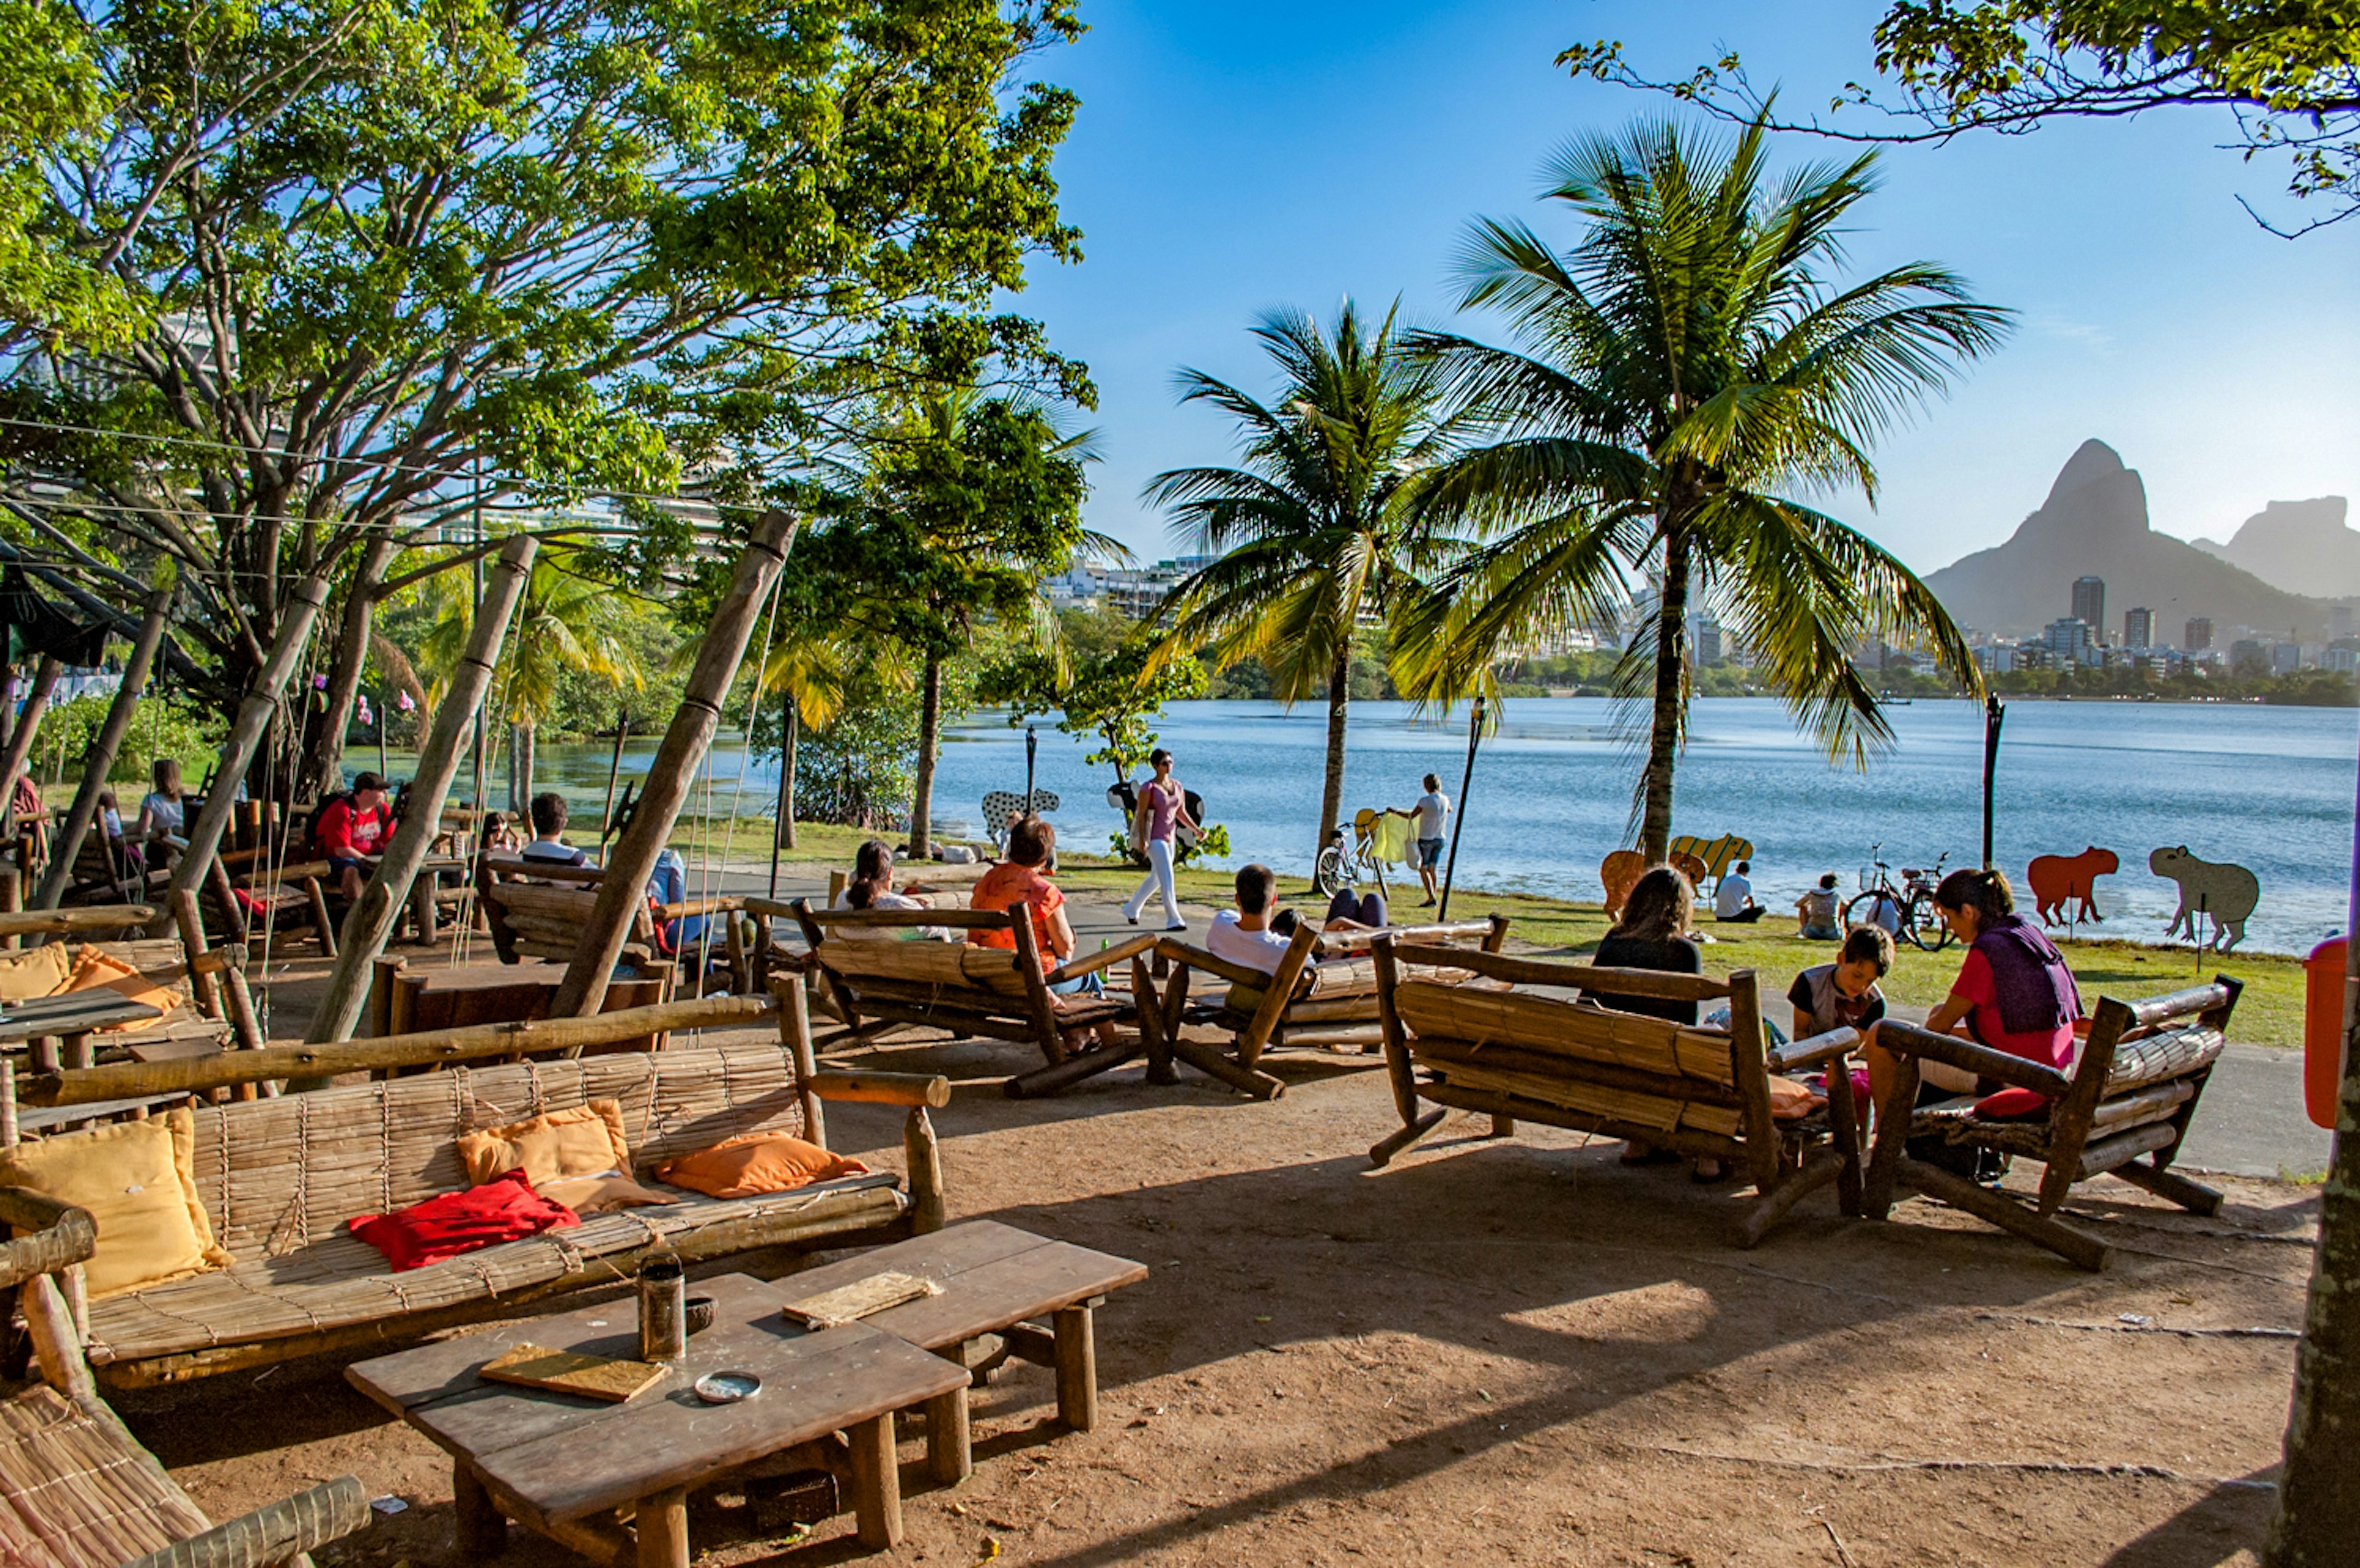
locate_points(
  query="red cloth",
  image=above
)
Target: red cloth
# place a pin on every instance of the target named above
(348, 832)
(1004, 886)
(1975, 985)
(2012, 1103)
(505, 1210)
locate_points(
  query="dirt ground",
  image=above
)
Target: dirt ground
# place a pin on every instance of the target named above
(1507, 1351)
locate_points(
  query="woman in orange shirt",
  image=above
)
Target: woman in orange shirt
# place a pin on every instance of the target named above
(1020, 879)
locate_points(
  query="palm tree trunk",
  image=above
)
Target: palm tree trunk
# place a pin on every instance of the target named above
(1671, 694)
(1331, 793)
(930, 720)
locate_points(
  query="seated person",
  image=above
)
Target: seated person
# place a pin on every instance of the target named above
(352, 831)
(1653, 934)
(1844, 995)
(1020, 879)
(871, 887)
(1733, 900)
(668, 883)
(1815, 912)
(110, 823)
(1245, 935)
(548, 846)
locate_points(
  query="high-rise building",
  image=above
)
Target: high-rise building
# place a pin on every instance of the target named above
(2200, 634)
(1704, 639)
(2090, 605)
(2339, 622)
(2138, 627)
(2068, 639)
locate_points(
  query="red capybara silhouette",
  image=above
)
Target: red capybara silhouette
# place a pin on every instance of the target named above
(2057, 877)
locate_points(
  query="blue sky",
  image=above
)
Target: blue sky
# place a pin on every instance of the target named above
(1230, 157)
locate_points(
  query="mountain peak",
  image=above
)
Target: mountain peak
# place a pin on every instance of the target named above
(2092, 462)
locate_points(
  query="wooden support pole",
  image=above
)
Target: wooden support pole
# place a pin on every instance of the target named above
(950, 1443)
(373, 915)
(1077, 1366)
(624, 889)
(254, 716)
(28, 725)
(279, 1533)
(480, 1530)
(875, 1484)
(663, 1527)
(100, 762)
(924, 1153)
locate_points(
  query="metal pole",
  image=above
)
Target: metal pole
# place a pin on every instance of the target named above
(1994, 711)
(1450, 866)
(614, 771)
(781, 828)
(1031, 744)
(382, 768)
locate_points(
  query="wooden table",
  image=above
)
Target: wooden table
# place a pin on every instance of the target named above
(995, 1280)
(563, 1465)
(45, 1020)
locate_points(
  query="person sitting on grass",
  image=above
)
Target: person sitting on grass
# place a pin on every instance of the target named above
(1844, 995)
(1815, 912)
(1021, 879)
(1653, 934)
(1732, 898)
(548, 846)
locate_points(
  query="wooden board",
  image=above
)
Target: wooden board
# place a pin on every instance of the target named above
(992, 1275)
(850, 1303)
(570, 1372)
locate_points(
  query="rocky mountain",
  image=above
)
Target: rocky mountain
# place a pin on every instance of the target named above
(2303, 547)
(2094, 522)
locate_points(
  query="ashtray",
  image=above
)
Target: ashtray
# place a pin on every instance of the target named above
(728, 1387)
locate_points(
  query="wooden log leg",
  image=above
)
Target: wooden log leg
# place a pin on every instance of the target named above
(1843, 1118)
(2079, 1250)
(77, 1049)
(922, 1151)
(326, 927)
(1072, 1070)
(1502, 1126)
(43, 1051)
(422, 908)
(1152, 1026)
(1820, 1167)
(663, 1529)
(876, 1484)
(1892, 1118)
(2172, 1186)
(482, 1533)
(1077, 1368)
(1213, 1064)
(1383, 1154)
(950, 1454)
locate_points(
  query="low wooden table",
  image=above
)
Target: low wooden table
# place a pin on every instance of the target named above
(43, 1020)
(995, 1279)
(565, 1465)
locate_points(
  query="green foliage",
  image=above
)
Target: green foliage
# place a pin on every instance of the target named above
(861, 770)
(1213, 843)
(161, 726)
(1112, 691)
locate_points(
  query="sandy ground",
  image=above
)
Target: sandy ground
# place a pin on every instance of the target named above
(1513, 1351)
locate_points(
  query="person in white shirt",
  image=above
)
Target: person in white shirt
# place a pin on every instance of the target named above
(871, 887)
(1242, 935)
(1732, 900)
(1432, 810)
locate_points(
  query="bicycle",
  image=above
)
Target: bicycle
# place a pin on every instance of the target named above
(1907, 910)
(1350, 857)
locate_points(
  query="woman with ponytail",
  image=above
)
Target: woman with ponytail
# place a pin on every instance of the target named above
(871, 887)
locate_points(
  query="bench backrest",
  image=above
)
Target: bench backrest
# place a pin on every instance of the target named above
(954, 965)
(274, 1174)
(539, 910)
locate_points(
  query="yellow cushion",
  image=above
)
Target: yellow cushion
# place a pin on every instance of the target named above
(36, 971)
(94, 968)
(585, 1142)
(135, 1180)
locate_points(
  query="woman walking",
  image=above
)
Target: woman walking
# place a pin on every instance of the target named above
(1163, 812)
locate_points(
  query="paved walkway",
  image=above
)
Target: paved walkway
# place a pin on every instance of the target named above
(2251, 1122)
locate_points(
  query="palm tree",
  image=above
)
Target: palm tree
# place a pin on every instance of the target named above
(1314, 530)
(1690, 360)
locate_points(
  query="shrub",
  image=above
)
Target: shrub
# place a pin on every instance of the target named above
(161, 726)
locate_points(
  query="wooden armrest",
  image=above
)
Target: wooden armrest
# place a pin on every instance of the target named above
(1197, 958)
(277, 1532)
(1121, 952)
(1818, 1049)
(89, 918)
(1910, 1040)
(1331, 943)
(883, 1088)
(770, 908)
(692, 907)
(56, 1235)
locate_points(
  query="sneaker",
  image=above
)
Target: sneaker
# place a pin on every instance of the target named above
(1181, 927)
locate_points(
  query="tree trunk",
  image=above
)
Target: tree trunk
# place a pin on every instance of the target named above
(1331, 790)
(323, 755)
(96, 765)
(2319, 1506)
(787, 781)
(1671, 697)
(520, 756)
(930, 723)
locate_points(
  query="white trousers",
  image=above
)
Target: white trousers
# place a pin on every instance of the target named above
(1159, 877)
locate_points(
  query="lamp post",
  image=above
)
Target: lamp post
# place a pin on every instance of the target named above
(1450, 867)
(1031, 746)
(1994, 711)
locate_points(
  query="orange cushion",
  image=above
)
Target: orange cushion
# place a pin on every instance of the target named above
(561, 1146)
(601, 1195)
(756, 1162)
(94, 968)
(1791, 1100)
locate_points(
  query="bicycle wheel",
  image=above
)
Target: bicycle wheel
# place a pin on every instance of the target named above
(1334, 873)
(1873, 907)
(1923, 923)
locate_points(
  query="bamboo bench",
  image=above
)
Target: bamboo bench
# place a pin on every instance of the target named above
(1520, 1054)
(2123, 1111)
(80, 1491)
(1322, 996)
(539, 910)
(993, 993)
(280, 1177)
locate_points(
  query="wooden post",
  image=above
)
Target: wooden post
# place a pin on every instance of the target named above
(20, 743)
(794, 1037)
(1276, 995)
(372, 918)
(202, 988)
(101, 760)
(662, 1526)
(949, 1438)
(1077, 1366)
(924, 1153)
(875, 1484)
(624, 889)
(254, 716)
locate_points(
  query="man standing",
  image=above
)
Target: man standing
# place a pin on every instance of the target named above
(1732, 898)
(1432, 810)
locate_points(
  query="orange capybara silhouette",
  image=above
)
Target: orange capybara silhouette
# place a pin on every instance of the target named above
(2057, 877)
(1688, 865)
(1621, 871)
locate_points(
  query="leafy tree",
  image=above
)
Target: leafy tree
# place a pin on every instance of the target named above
(2290, 73)
(1314, 531)
(1112, 695)
(292, 288)
(1691, 356)
(161, 725)
(859, 769)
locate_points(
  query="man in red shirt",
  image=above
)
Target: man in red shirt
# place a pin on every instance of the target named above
(351, 832)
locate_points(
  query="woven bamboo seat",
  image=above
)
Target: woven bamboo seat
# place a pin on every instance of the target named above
(279, 1178)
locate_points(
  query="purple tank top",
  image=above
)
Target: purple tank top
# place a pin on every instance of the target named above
(1163, 809)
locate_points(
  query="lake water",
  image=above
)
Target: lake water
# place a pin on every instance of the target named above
(2268, 788)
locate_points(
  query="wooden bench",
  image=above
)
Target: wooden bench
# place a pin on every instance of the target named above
(537, 909)
(1322, 996)
(880, 984)
(2123, 1111)
(80, 1491)
(1523, 1053)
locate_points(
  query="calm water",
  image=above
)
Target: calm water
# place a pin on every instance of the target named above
(2269, 788)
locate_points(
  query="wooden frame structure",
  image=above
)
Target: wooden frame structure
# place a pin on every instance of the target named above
(1517, 1054)
(2123, 1111)
(538, 910)
(994, 993)
(1323, 996)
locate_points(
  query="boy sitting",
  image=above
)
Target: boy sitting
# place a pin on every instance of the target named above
(1844, 995)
